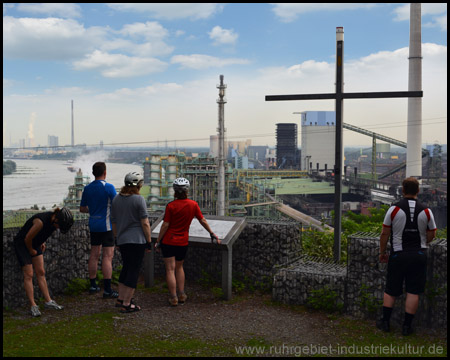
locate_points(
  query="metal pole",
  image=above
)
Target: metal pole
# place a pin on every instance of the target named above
(414, 132)
(338, 157)
(221, 129)
(73, 136)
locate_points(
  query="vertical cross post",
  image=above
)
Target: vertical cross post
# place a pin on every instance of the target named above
(339, 96)
(338, 144)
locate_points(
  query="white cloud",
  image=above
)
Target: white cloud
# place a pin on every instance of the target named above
(63, 10)
(199, 61)
(288, 12)
(171, 11)
(157, 89)
(148, 30)
(223, 36)
(438, 12)
(118, 65)
(153, 34)
(47, 39)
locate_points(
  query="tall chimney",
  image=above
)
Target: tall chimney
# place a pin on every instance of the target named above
(73, 136)
(414, 132)
(221, 129)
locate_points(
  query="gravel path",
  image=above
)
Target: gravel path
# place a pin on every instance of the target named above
(246, 319)
(204, 317)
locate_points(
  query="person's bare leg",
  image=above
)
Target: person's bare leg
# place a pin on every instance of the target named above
(28, 283)
(180, 277)
(38, 265)
(108, 254)
(170, 276)
(411, 303)
(93, 261)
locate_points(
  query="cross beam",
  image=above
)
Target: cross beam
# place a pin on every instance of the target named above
(339, 96)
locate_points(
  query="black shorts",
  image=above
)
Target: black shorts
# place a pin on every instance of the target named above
(171, 250)
(411, 267)
(106, 239)
(22, 253)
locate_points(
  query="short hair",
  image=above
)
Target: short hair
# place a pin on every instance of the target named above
(98, 168)
(410, 186)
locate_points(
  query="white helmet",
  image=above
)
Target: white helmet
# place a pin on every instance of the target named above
(133, 179)
(181, 184)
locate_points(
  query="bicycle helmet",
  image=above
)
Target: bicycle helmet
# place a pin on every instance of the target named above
(181, 184)
(133, 179)
(65, 220)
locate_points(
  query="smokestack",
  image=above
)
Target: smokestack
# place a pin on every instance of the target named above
(414, 132)
(73, 140)
(221, 129)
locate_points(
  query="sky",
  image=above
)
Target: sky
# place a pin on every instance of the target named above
(147, 74)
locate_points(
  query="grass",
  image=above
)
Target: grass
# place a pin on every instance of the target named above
(101, 335)
(94, 335)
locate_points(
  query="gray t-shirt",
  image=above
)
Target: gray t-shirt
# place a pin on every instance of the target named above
(126, 213)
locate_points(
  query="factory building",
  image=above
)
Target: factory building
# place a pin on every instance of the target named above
(287, 149)
(318, 140)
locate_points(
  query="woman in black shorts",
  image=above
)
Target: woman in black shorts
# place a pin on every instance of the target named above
(29, 245)
(173, 238)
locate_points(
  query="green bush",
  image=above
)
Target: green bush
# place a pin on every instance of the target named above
(77, 286)
(324, 299)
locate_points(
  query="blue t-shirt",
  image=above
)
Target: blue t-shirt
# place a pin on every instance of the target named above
(98, 196)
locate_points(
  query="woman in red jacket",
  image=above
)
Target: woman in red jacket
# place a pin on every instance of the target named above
(174, 237)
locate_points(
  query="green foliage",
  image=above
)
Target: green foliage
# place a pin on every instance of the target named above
(441, 233)
(8, 167)
(432, 290)
(217, 291)
(320, 244)
(368, 301)
(77, 286)
(324, 299)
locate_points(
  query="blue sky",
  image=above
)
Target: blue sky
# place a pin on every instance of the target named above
(148, 72)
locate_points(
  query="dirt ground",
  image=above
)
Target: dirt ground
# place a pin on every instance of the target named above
(204, 316)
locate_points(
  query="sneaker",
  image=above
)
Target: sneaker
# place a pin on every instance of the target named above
(53, 305)
(94, 289)
(407, 330)
(383, 325)
(173, 301)
(110, 295)
(35, 311)
(182, 298)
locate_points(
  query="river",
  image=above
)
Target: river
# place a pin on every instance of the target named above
(46, 182)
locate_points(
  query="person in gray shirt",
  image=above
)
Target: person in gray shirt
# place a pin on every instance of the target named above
(132, 229)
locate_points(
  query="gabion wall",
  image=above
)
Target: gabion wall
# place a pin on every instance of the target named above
(361, 284)
(266, 253)
(260, 246)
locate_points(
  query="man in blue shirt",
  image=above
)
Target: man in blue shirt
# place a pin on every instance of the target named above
(96, 200)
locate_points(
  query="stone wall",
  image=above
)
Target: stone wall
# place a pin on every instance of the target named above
(268, 253)
(65, 258)
(260, 246)
(360, 284)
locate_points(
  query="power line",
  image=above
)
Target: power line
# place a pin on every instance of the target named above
(249, 136)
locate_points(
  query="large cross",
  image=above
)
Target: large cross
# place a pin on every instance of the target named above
(339, 96)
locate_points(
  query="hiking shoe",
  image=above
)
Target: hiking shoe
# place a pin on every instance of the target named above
(182, 298)
(407, 330)
(110, 295)
(383, 325)
(173, 301)
(35, 311)
(53, 305)
(93, 290)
